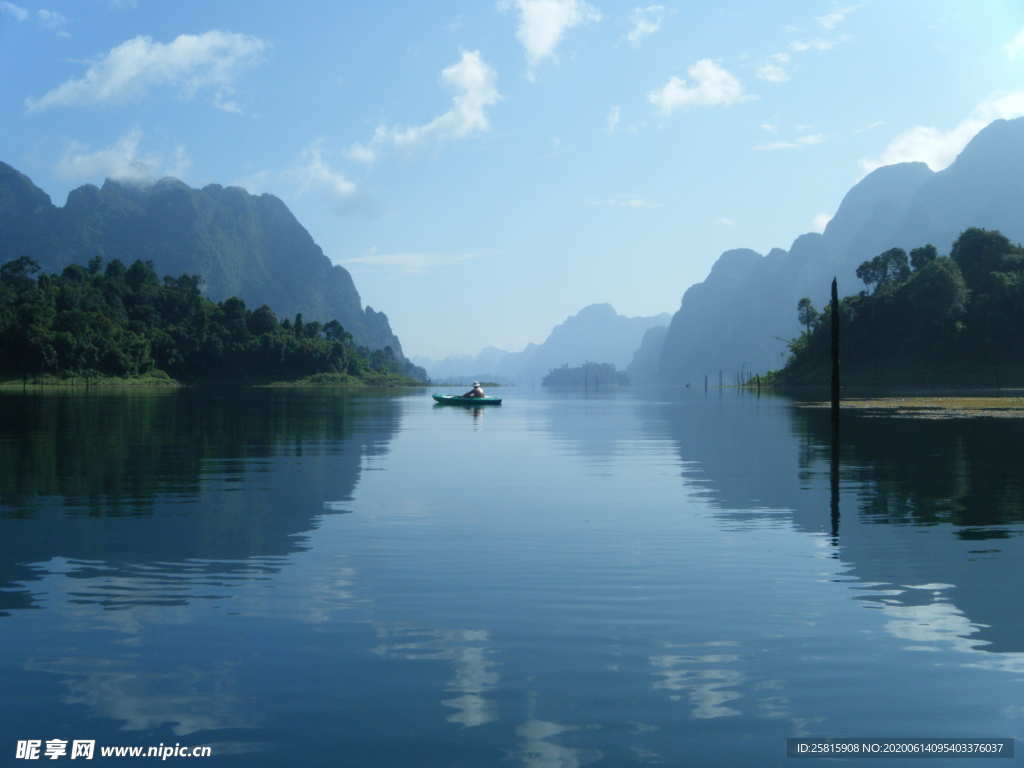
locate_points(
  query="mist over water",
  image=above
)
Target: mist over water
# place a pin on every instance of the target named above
(305, 576)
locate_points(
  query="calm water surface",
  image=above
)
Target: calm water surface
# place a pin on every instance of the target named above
(313, 578)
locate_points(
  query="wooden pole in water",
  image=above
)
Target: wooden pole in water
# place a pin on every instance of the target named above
(835, 359)
(705, 382)
(719, 378)
(834, 473)
(834, 482)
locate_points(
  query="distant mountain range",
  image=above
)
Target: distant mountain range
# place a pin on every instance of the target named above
(597, 334)
(239, 244)
(739, 316)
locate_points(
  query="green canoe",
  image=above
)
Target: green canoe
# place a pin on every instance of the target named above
(460, 400)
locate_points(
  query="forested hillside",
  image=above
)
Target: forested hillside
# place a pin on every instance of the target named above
(106, 319)
(924, 318)
(243, 245)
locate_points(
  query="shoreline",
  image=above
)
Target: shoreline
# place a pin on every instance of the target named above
(78, 383)
(932, 407)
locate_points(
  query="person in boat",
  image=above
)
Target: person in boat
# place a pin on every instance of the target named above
(476, 391)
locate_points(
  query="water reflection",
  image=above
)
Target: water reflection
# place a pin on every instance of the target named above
(122, 516)
(949, 493)
(475, 412)
(187, 699)
(616, 580)
(221, 487)
(538, 747)
(924, 471)
(474, 672)
(709, 680)
(951, 497)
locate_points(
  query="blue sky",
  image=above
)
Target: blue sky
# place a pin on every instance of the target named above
(486, 169)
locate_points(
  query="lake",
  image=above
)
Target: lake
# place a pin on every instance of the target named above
(303, 577)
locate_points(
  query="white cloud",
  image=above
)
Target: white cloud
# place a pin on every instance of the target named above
(625, 201)
(1016, 46)
(725, 221)
(870, 126)
(474, 84)
(927, 144)
(257, 183)
(800, 141)
(820, 221)
(191, 63)
(710, 85)
(53, 21)
(645, 21)
(613, 118)
(315, 172)
(223, 102)
(411, 262)
(12, 10)
(770, 127)
(800, 46)
(774, 69)
(833, 19)
(543, 23)
(774, 145)
(123, 160)
(361, 153)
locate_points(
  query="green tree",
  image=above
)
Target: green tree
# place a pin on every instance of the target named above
(885, 270)
(979, 252)
(116, 320)
(807, 314)
(923, 256)
(262, 321)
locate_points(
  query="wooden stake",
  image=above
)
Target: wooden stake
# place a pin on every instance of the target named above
(835, 359)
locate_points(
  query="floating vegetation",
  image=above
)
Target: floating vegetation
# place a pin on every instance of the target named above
(934, 407)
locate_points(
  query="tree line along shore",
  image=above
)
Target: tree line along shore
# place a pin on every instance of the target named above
(923, 319)
(107, 323)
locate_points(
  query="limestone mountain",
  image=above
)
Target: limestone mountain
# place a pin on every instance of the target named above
(244, 245)
(596, 334)
(464, 368)
(741, 314)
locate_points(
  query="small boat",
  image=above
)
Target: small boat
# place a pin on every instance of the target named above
(460, 400)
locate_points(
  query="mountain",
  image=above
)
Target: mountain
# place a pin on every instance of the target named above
(739, 316)
(644, 364)
(464, 368)
(597, 334)
(250, 246)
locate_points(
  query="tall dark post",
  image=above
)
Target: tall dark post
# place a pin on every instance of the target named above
(834, 474)
(834, 482)
(705, 382)
(835, 359)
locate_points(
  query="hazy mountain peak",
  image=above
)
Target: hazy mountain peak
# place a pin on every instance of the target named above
(998, 144)
(734, 263)
(596, 334)
(871, 198)
(597, 310)
(19, 194)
